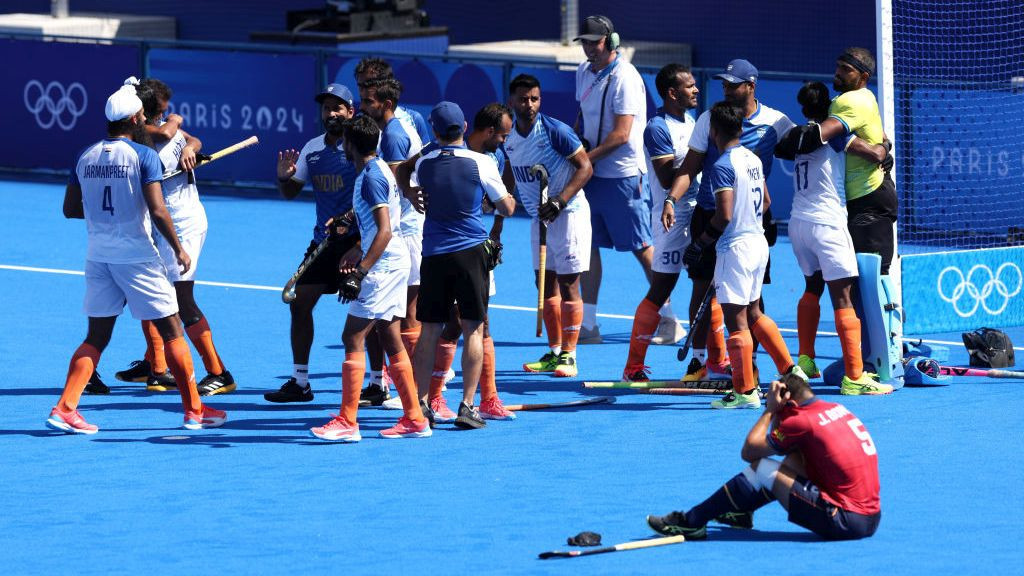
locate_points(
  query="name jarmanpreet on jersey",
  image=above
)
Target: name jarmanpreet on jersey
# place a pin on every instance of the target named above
(399, 142)
(180, 192)
(111, 174)
(761, 132)
(332, 176)
(376, 187)
(818, 184)
(740, 169)
(551, 143)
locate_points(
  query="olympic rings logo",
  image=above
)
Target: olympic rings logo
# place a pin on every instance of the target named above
(54, 104)
(968, 288)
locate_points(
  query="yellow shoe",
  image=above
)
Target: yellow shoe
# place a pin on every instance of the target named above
(696, 371)
(866, 385)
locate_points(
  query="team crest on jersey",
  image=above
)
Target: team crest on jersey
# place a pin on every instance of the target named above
(761, 131)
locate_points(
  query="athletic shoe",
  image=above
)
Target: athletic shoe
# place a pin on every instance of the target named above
(161, 382)
(695, 372)
(636, 373)
(736, 400)
(743, 520)
(407, 428)
(590, 335)
(96, 385)
(547, 363)
(290, 391)
(493, 409)
(669, 331)
(138, 371)
(206, 418)
(215, 384)
(393, 403)
(566, 366)
(469, 417)
(798, 371)
(70, 422)
(674, 524)
(806, 363)
(373, 395)
(427, 413)
(721, 371)
(442, 413)
(866, 385)
(448, 377)
(337, 430)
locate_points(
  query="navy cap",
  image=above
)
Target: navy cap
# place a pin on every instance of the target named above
(595, 28)
(738, 71)
(446, 116)
(339, 91)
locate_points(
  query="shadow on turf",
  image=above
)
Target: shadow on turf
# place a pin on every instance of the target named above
(725, 534)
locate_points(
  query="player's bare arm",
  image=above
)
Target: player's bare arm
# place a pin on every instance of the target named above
(872, 152)
(167, 130)
(187, 160)
(382, 218)
(403, 176)
(288, 187)
(584, 170)
(680, 184)
(162, 219)
(617, 137)
(73, 202)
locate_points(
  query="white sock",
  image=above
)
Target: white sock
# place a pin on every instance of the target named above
(701, 354)
(556, 350)
(376, 378)
(666, 310)
(589, 315)
(301, 374)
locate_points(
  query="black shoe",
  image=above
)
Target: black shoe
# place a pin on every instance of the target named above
(674, 524)
(469, 418)
(138, 371)
(737, 519)
(427, 412)
(373, 395)
(95, 385)
(290, 392)
(161, 382)
(216, 384)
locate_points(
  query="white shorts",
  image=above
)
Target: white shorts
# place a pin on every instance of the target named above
(383, 295)
(670, 245)
(143, 286)
(415, 245)
(568, 245)
(193, 246)
(739, 271)
(823, 247)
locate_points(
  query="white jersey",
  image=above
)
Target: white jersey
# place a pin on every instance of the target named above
(668, 136)
(626, 96)
(550, 143)
(819, 184)
(375, 187)
(180, 192)
(740, 170)
(112, 174)
(399, 142)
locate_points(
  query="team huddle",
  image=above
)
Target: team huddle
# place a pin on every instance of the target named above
(400, 236)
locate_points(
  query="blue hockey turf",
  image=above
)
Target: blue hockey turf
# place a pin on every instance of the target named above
(260, 496)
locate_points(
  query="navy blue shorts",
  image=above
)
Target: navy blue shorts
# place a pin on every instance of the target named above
(324, 270)
(620, 212)
(809, 509)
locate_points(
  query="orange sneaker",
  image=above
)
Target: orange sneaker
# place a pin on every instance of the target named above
(337, 430)
(407, 428)
(208, 417)
(70, 422)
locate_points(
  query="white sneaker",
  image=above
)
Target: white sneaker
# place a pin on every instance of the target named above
(394, 403)
(669, 332)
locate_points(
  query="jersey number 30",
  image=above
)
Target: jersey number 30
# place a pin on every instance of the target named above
(108, 204)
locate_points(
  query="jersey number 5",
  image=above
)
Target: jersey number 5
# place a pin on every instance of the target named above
(862, 434)
(108, 203)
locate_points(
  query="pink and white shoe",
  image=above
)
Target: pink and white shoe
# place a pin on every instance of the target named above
(70, 422)
(442, 413)
(208, 417)
(337, 430)
(407, 428)
(493, 409)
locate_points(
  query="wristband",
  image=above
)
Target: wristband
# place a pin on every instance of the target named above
(670, 200)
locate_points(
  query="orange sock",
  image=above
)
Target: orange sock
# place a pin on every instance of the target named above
(572, 318)
(400, 370)
(352, 372)
(645, 324)
(808, 312)
(410, 336)
(848, 326)
(154, 348)
(443, 359)
(741, 356)
(716, 334)
(488, 386)
(553, 320)
(83, 363)
(201, 337)
(180, 359)
(767, 333)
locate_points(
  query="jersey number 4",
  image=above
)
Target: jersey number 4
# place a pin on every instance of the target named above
(108, 203)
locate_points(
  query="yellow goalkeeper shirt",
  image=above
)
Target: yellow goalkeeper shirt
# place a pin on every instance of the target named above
(858, 111)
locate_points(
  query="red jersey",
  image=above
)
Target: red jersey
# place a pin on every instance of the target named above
(838, 452)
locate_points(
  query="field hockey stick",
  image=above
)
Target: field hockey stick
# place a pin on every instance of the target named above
(569, 404)
(649, 543)
(251, 140)
(724, 386)
(697, 318)
(539, 171)
(288, 292)
(661, 384)
(957, 371)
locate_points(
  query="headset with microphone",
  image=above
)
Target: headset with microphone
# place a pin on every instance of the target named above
(611, 36)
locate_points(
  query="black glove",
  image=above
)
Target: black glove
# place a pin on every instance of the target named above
(551, 209)
(810, 138)
(493, 249)
(771, 227)
(693, 254)
(340, 225)
(888, 163)
(351, 283)
(203, 157)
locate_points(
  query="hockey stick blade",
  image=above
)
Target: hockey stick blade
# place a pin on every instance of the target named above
(569, 404)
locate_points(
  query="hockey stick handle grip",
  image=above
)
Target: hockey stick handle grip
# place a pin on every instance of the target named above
(251, 140)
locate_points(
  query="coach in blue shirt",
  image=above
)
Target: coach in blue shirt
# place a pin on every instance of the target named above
(455, 180)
